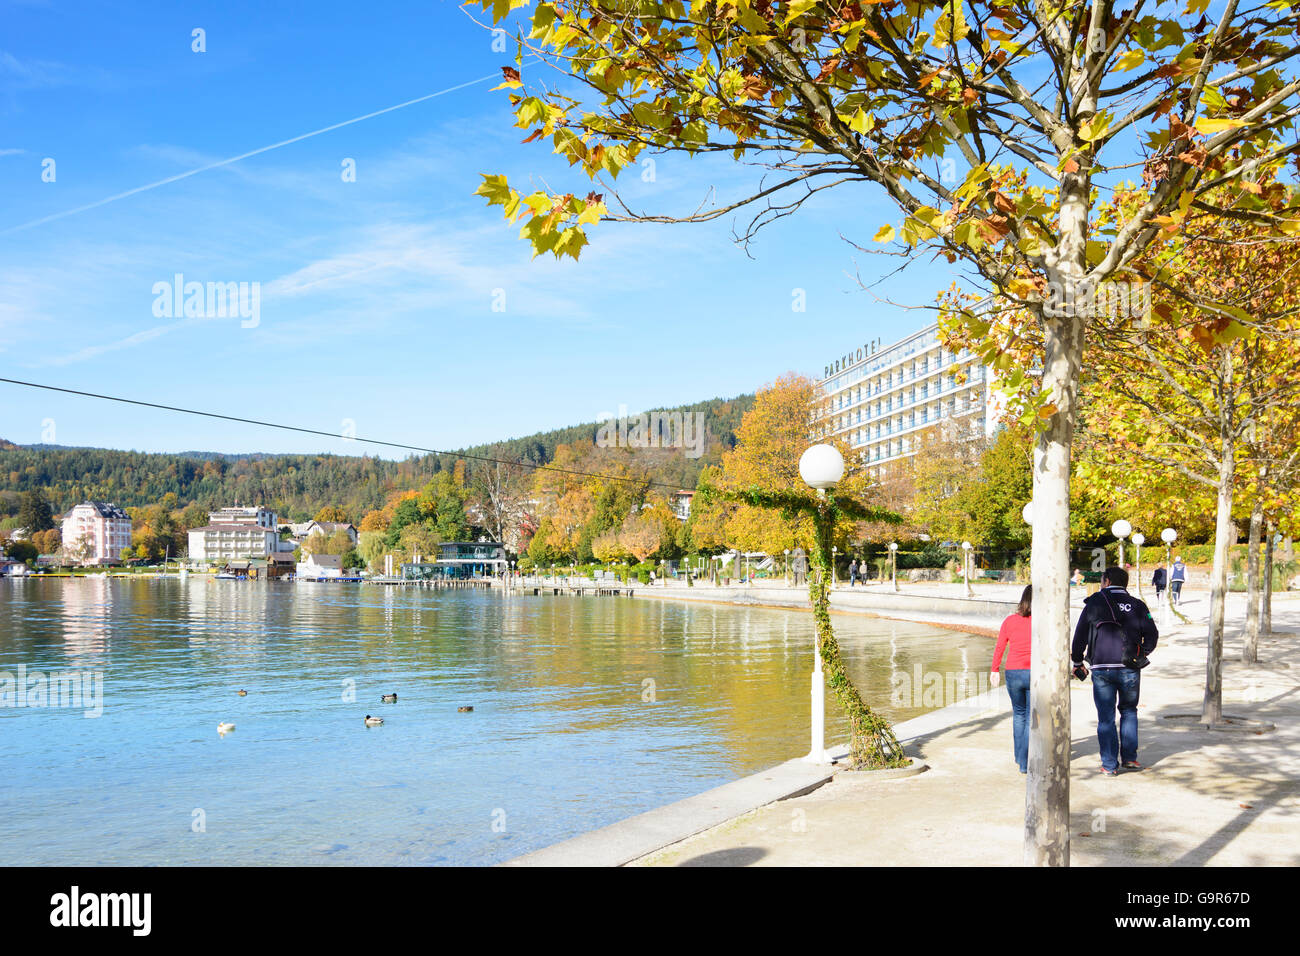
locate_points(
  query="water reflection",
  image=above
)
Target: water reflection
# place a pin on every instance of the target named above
(562, 737)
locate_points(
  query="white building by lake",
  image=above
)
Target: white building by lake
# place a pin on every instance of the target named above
(95, 532)
(227, 541)
(257, 516)
(879, 400)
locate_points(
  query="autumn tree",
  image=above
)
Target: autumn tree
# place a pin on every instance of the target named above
(988, 126)
(1200, 395)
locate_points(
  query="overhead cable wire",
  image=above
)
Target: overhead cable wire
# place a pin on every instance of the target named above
(335, 435)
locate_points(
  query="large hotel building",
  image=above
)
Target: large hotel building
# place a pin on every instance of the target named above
(879, 400)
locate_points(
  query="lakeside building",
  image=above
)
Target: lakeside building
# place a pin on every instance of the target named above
(301, 531)
(258, 516)
(460, 559)
(319, 566)
(95, 532)
(681, 504)
(880, 400)
(229, 541)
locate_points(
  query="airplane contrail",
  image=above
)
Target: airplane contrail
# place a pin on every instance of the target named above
(234, 159)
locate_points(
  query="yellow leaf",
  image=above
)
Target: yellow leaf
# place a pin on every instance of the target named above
(885, 234)
(1129, 61)
(1210, 126)
(1096, 127)
(798, 8)
(862, 122)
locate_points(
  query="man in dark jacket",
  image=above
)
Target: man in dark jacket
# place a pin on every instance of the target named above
(1158, 581)
(1115, 633)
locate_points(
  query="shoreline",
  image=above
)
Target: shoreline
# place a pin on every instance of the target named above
(657, 830)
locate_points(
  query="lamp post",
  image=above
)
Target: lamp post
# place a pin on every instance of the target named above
(834, 552)
(1169, 536)
(1120, 529)
(893, 563)
(787, 567)
(966, 546)
(821, 467)
(1139, 539)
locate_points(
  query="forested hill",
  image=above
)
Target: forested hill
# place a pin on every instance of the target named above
(299, 485)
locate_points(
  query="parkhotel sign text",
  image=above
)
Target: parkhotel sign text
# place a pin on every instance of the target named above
(852, 358)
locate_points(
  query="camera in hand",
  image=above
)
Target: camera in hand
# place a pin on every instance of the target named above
(1080, 672)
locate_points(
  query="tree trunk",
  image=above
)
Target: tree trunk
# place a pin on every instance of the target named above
(1047, 789)
(1266, 603)
(1250, 645)
(1212, 707)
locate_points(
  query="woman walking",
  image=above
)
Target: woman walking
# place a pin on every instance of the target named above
(1014, 638)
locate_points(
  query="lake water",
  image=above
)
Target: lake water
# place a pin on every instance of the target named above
(586, 711)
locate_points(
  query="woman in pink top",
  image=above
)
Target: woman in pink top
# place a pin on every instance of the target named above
(1014, 638)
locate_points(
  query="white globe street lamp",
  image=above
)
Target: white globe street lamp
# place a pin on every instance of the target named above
(1120, 529)
(1027, 513)
(893, 562)
(821, 467)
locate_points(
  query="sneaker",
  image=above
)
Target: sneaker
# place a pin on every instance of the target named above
(1109, 773)
(1132, 765)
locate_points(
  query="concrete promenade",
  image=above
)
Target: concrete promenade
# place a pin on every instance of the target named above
(1206, 798)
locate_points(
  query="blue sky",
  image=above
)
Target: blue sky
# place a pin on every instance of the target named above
(376, 295)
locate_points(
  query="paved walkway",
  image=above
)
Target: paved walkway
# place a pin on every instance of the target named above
(1207, 797)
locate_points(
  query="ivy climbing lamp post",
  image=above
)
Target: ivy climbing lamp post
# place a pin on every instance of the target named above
(893, 563)
(821, 466)
(872, 742)
(966, 546)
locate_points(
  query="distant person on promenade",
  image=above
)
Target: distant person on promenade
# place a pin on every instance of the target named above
(1014, 638)
(1158, 580)
(853, 572)
(1114, 635)
(1076, 579)
(1177, 577)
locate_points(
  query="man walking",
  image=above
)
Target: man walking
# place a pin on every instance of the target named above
(1158, 581)
(853, 572)
(1177, 575)
(1115, 634)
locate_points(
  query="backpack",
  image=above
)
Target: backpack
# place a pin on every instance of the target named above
(1111, 643)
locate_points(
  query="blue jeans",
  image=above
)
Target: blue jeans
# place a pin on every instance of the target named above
(1112, 687)
(1018, 691)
